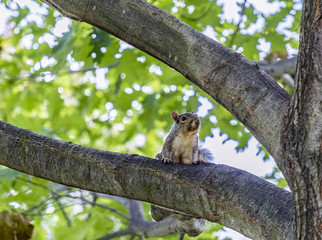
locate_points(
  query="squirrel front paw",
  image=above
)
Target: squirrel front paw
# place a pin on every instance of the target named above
(163, 159)
(166, 160)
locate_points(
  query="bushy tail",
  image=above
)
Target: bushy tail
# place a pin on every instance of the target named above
(205, 155)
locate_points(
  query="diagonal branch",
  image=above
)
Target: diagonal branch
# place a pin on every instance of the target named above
(238, 84)
(201, 16)
(218, 193)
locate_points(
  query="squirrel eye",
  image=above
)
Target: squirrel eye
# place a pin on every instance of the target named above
(184, 118)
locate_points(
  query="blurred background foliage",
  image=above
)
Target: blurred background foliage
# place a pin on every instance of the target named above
(71, 81)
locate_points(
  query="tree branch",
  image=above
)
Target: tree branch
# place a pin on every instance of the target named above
(116, 234)
(278, 68)
(61, 207)
(238, 84)
(302, 135)
(142, 228)
(201, 16)
(136, 210)
(99, 205)
(288, 80)
(218, 193)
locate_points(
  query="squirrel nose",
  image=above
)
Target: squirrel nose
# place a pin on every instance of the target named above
(197, 122)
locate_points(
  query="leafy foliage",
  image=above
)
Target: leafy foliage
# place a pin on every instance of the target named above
(86, 86)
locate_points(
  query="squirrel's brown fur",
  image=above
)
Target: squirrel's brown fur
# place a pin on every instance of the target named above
(182, 143)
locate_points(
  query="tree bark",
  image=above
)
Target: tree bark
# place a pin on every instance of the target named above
(218, 193)
(302, 135)
(238, 84)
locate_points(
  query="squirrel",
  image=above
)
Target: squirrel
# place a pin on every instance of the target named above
(182, 146)
(182, 143)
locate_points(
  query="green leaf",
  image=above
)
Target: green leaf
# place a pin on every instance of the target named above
(100, 39)
(64, 47)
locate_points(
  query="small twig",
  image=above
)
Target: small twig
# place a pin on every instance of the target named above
(75, 71)
(46, 73)
(201, 16)
(116, 234)
(121, 200)
(36, 206)
(100, 205)
(118, 84)
(238, 25)
(36, 184)
(56, 197)
(91, 69)
(46, 214)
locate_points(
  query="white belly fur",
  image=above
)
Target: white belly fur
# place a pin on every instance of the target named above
(182, 145)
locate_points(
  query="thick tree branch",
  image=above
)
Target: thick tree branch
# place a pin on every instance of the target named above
(235, 82)
(302, 135)
(217, 193)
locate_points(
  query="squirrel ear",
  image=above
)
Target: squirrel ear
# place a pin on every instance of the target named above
(175, 116)
(193, 112)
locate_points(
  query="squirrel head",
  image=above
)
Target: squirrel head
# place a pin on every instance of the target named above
(188, 123)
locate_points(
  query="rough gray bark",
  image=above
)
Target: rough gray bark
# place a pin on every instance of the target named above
(238, 84)
(218, 193)
(302, 135)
